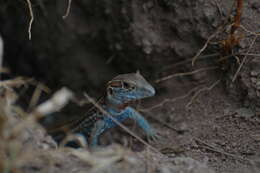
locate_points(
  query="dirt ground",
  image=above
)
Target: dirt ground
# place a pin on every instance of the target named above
(216, 131)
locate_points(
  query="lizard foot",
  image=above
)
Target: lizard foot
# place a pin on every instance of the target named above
(154, 137)
(75, 141)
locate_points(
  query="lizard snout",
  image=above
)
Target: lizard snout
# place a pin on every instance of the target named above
(149, 91)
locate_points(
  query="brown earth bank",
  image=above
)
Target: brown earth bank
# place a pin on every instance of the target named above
(201, 56)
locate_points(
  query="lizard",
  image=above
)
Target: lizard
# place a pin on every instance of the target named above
(120, 91)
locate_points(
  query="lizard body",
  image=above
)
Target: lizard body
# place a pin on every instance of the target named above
(120, 91)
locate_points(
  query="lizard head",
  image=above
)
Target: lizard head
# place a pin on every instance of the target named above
(129, 87)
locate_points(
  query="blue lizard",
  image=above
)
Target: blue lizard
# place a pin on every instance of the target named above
(121, 90)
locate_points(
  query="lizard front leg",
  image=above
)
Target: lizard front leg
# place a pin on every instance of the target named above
(142, 122)
(98, 129)
(107, 123)
(103, 125)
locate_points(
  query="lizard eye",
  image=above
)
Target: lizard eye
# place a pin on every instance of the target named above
(127, 86)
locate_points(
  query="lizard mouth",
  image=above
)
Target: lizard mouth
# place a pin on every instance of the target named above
(131, 101)
(123, 106)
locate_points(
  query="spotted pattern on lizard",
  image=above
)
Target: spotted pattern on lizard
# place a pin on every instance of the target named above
(120, 91)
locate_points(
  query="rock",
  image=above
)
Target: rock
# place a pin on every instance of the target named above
(253, 80)
(253, 73)
(245, 112)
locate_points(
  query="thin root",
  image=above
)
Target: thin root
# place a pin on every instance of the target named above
(185, 73)
(250, 32)
(169, 100)
(68, 10)
(31, 19)
(244, 59)
(200, 91)
(212, 148)
(220, 29)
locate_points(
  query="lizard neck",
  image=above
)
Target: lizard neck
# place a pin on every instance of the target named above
(115, 105)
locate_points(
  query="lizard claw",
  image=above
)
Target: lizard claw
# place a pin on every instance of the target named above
(154, 137)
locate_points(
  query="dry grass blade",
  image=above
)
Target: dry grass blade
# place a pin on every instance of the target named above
(1, 52)
(31, 19)
(212, 148)
(166, 124)
(56, 103)
(202, 57)
(169, 100)
(248, 31)
(68, 10)
(185, 73)
(35, 97)
(91, 100)
(102, 158)
(244, 59)
(220, 10)
(4, 70)
(206, 44)
(200, 91)
(16, 82)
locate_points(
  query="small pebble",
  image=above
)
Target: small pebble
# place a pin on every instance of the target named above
(245, 112)
(253, 73)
